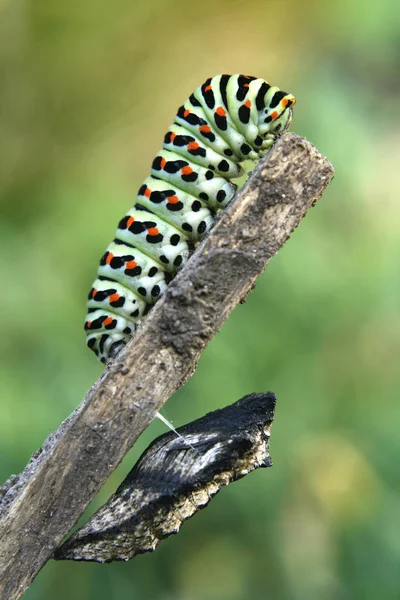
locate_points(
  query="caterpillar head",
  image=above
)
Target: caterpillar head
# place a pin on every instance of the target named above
(276, 116)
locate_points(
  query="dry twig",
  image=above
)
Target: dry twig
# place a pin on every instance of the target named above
(174, 478)
(44, 503)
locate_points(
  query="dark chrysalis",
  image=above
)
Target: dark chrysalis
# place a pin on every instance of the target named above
(227, 120)
(172, 481)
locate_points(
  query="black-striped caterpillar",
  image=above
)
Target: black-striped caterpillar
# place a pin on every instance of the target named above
(229, 119)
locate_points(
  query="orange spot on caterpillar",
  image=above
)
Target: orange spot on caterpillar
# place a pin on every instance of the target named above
(247, 104)
(131, 264)
(114, 298)
(173, 200)
(147, 193)
(186, 113)
(246, 85)
(130, 221)
(208, 88)
(274, 115)
(193, 146)
(94, 292)
(186, 170)
(172, 136)
(109, 258)
(220, 111)
(288, 101)
(89, 324)
(163, 162)
(204, 129)
(107, 321)
(153, 231)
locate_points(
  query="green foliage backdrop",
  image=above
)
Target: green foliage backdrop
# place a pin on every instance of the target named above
(87, 92)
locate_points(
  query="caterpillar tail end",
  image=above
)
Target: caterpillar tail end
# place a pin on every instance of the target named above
(107, 345)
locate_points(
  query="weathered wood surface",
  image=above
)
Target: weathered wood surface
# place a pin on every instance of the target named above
(174, 478)
(51, 494)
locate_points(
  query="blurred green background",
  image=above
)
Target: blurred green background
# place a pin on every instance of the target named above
(87, 91)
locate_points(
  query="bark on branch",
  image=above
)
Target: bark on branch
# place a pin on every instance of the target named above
(174, 478)
(42, 505)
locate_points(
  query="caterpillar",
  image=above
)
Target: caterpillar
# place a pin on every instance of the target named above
(225, 121)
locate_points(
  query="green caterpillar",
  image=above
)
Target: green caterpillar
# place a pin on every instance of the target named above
(227, 120)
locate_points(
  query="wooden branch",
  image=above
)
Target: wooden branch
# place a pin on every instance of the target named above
(45, 502)
(174, 478)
